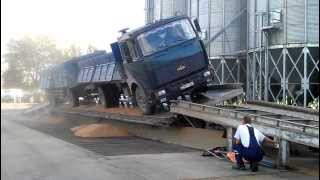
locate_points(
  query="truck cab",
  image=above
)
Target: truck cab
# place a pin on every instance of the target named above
(162, 61)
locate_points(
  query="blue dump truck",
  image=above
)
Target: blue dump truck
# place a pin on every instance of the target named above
(148, 67)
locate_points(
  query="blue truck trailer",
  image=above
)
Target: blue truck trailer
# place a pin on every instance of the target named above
(150, 66)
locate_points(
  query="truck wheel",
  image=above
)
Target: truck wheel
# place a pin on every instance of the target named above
(112, 96)
(52, 101)
(102, 97)
(142, 102)
(109, 96)
(73, 98)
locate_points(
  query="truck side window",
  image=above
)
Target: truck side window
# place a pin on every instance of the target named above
(132, 50)
(126, 52)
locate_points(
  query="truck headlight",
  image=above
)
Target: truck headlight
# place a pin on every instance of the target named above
(206, 74)
(162, 92)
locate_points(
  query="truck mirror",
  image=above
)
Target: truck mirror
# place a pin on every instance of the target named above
(196, 24)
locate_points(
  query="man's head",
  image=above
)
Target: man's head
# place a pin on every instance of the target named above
(246, 120)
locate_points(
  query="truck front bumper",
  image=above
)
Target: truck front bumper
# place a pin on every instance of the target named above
(196, 82)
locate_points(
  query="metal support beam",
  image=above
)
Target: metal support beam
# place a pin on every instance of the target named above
(248, 59)
(266, 61)
(238, 70)
(248, 78)
(260, 60)
(189, 121)
(305, 76)
(254, 85)
(284, 84)
(230, 132)
(207, 125)
(223, 61)
(283, 154)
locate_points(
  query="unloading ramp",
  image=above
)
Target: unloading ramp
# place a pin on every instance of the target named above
(285, 124)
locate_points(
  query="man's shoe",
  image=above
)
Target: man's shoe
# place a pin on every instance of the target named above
(239, 167)
(254, 166)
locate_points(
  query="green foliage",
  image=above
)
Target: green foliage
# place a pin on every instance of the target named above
(13, 78)
(28, 56)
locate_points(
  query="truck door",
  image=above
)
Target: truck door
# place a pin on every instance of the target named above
(119, 61)
(136, 70)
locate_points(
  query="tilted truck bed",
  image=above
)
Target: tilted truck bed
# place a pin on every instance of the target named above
(96, 67)
(99, 68)
(60, 76)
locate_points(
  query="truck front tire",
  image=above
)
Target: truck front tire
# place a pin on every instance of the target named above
(143, 102)
(52, 100)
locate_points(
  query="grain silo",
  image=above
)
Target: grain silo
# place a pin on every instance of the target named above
(269, 45)
(161, 9)
(283, 45)
(224, 24)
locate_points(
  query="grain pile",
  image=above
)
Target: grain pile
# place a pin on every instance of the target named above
(98, 130)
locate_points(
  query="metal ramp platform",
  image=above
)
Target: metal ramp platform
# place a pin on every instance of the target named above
(219, 93)
(276, 122)
(164, 119)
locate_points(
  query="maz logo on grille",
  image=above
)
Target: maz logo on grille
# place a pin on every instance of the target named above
(181, 67)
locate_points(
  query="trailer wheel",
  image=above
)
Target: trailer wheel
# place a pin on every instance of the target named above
(73, 98)
(102, 98)
(52, 100)
(109, 96)
(143, 102)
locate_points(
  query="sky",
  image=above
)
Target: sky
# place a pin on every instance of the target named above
(79, 22)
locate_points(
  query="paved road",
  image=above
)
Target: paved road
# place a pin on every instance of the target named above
(29, 154)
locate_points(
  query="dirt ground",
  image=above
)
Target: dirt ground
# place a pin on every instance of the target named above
(186, 136)
(48, 157)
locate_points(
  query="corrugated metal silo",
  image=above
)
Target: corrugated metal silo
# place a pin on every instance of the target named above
(149, 11)
(227, 51)
(283, 57)
(281, 38)
(222, 12)
(161, 9)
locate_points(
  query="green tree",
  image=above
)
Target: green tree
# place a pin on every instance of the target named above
(26, 58)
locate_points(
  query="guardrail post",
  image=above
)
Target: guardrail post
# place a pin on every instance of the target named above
(230, 132)
(283, 154)
(207, 125)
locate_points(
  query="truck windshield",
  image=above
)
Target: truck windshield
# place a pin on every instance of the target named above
(165, 36)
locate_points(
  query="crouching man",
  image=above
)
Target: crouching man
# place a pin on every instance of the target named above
(248, 145)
